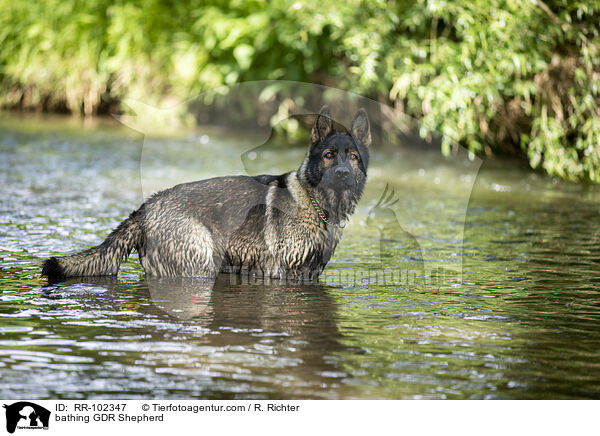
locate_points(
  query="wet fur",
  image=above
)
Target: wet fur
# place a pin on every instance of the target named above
(265, 225)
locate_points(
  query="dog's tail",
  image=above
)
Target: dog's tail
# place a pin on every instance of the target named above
(103, 259)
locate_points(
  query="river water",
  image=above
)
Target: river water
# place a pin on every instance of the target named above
(518, 317)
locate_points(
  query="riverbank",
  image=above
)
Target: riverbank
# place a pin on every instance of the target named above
(498, 78)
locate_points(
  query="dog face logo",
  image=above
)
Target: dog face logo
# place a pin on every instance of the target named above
(26, 415)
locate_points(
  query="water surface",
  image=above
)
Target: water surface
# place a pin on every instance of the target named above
(521, 321)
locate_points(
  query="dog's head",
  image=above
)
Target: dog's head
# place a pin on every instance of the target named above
(337, 161)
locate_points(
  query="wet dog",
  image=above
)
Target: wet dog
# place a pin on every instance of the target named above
(279, 226)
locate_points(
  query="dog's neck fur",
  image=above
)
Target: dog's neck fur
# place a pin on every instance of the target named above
(336, 207)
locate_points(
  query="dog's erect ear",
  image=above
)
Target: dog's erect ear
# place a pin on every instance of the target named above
(360, 127)
(323, 125)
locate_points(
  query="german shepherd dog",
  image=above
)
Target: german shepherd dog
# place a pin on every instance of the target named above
(284, 227)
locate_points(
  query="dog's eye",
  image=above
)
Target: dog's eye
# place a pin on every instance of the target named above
(329, 155)
(353, 156)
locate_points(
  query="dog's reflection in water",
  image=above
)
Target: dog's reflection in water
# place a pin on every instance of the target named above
(303, 312)
(184, 298)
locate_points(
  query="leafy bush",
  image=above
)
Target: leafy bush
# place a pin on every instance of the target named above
(498, 76)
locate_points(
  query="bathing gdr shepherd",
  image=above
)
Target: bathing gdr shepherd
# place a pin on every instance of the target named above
(284, 227)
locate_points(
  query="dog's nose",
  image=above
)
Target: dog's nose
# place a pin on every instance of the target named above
(342, 172)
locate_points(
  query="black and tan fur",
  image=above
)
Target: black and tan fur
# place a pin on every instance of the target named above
(284, 226)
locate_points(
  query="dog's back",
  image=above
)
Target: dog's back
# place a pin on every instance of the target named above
(220, 224)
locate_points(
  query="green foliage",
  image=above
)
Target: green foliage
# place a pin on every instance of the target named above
(498, 76)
